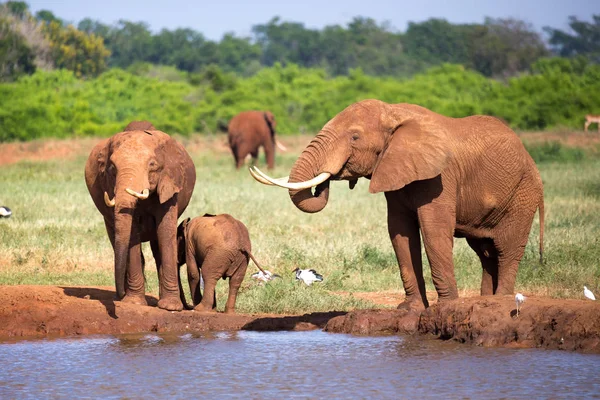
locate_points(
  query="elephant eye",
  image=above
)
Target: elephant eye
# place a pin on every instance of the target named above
(355, 136)
(153, 165)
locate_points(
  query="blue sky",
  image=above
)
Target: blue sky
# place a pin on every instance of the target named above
(214, 18)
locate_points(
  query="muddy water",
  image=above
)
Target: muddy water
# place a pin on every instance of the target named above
(287, 364)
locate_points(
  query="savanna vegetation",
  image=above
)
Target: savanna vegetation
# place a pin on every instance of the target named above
(64, 80)
(56, 235)
(89, 78)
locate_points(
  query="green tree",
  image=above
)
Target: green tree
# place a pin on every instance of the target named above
(19, 9)
(77, 51)
(16, 58)
(47, 16)
(584, 38)
(504, 47)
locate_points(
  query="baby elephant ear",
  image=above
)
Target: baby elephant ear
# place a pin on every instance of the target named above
(417, 150)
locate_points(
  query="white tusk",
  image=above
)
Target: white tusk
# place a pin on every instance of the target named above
(280, 145)
(264, 181)
(108, 201)
(142, 196)
(322, 177)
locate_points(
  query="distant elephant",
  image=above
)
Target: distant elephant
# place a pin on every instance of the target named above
(249, 130)
(139, 126)
(217, 246)
(447, 177)
(141, 181)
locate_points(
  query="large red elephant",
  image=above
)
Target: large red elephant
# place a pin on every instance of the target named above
(442, 178)
(248, 131)
(141, 181)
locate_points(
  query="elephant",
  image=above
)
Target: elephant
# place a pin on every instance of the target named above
(139, 126)
(442, 177)
(219, 247)
(141, 181)
(249, 130)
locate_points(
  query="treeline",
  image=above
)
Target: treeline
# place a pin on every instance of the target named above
(558, 93)
(497, 48)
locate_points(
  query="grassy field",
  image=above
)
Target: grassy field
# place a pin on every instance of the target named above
(56, 235)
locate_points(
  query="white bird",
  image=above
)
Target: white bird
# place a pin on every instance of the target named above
(519, 299)
(308, 276)
(265, 277)
(5, 212)
(588, 293)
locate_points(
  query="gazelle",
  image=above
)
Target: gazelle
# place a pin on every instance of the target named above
(591, 119)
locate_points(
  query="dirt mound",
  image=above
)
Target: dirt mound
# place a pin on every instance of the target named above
(489, 321)
(39, 311)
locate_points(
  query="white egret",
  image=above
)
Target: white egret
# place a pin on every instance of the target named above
(5, 212)
(588, 293)
(519, 299)
(308, 276)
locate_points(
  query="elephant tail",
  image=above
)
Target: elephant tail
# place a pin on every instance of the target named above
(541, 209)
(255, 262)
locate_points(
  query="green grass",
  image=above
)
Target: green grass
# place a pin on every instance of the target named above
(56, 235)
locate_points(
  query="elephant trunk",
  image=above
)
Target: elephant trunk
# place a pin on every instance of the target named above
(125, 204)
(321, 155)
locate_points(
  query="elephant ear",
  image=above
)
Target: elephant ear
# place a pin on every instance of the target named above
(417, 150)
(270, 120)
(171, 178)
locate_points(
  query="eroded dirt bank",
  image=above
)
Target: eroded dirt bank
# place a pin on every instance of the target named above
(40, 311)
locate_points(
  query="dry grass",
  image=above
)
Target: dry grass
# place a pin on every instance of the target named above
(56, 236)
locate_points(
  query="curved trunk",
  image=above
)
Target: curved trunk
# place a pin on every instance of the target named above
(124, 210)
(321, 155)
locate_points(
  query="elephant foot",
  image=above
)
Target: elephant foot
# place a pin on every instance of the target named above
(202, 308)
(416, 306)
(136, 299)
(170, 304)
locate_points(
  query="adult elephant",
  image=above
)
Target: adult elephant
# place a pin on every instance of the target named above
(463, 177)
(248, 131)
(141, 181)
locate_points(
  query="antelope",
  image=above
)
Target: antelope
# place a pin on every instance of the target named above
(591, 119)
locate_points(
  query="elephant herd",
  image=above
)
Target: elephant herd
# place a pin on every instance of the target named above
(442, 178)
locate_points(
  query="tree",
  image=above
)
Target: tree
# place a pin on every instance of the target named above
(16, 58)
(47, 16)
(437, 41)
(584, 39)
(77, 51)
(19, 9)
(505, 47)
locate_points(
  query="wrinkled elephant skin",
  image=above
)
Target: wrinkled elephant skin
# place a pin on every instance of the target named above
(442, 178)
(141, 181)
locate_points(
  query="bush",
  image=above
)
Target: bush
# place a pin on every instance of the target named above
(58, 104)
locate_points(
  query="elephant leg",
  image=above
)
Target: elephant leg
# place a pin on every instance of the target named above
(437, 227)
(168, 274)
(135, 291)
(158, 260)
(510, 247)
(270, 155)
(193, 277)
(489, 262)
(235, 282)
(211, 271)
(404, 234)
(254, 155)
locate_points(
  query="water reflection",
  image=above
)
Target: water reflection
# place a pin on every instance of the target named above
(286, 364)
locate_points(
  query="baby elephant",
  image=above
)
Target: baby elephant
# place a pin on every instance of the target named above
(217, 246)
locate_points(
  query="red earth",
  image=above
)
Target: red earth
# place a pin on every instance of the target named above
(49, 311)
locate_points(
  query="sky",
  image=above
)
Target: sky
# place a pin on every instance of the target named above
(215, 18)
